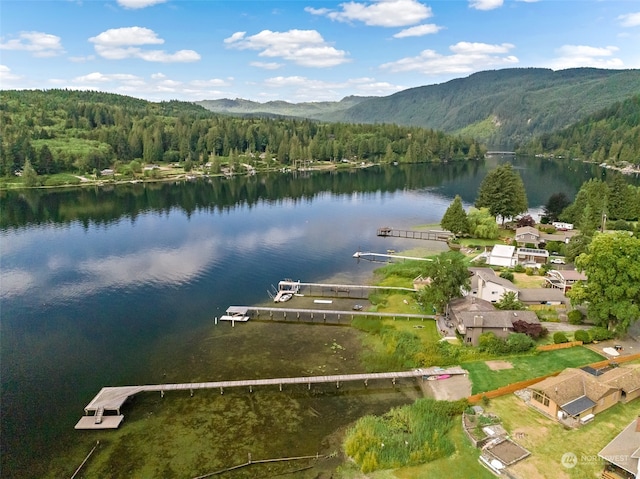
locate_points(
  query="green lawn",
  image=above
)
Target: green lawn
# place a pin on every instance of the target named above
(547, 440)
(528, 367)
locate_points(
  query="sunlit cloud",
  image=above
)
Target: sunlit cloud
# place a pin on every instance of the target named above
(630, 19)
(485, 4)
(123, 43)
(467, 57)
(574, 56)
(379, 13)
(302, 47)
(419, 31)
(136, 4)
(39, 44)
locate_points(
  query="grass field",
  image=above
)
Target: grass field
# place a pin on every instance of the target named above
(547, 440)
(527, 367)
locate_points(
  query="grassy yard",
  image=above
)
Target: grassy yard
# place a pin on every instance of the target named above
(547, 440)
(525, 281)
(527, 367)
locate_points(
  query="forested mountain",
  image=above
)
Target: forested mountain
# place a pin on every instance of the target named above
(321, 110)
(610, 136)
(85, 132)
(502, 108)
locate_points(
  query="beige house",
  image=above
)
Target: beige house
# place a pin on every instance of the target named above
(575, 395)
(622, 454)
(489, 287)
(527, 235)
(564, 279)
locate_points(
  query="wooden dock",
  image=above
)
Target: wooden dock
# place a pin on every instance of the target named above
(430, 235)
(356, 291)
(111, 399)
(323, 315)
(386, 258)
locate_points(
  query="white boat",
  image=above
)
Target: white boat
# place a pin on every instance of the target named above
(285, 297)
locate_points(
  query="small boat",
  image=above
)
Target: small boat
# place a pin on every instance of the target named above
(285, 297)
(443, 376)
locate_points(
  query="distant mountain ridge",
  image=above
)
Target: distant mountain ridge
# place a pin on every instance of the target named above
(502, 108)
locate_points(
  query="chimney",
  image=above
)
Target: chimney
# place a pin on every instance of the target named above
(478, 320)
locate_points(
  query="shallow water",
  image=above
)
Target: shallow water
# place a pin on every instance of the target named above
(119, 286)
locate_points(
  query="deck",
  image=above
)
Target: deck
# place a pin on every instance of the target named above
(112, 398)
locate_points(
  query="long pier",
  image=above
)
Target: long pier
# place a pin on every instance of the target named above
(430, 235)
(335, 290)
(323, 314)
(111, 399)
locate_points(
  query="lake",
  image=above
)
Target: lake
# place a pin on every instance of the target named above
(119, 286)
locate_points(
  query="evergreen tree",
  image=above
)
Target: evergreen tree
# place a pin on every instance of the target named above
(556, 203)
(455, 218)
(503, 192)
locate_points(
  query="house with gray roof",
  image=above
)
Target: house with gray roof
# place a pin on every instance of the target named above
(622, 454)
(474, 316)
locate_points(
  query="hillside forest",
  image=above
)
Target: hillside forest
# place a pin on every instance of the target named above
(87, 132)
(610, 136)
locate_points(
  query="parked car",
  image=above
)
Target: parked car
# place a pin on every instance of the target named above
(557, 261)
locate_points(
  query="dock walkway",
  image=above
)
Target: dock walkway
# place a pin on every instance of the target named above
(430, 235)
(112, 398)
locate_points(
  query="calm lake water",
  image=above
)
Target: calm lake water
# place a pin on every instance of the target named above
(118, 286)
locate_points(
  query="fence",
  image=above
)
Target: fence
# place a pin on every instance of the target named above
(553, 347)
(504, 390)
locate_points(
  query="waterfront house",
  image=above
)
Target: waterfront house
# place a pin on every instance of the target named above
(502, 255)
(564, 279)
(527, 235)
(474, 316)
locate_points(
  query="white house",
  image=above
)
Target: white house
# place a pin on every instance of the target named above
(491, 287)
(502, 255)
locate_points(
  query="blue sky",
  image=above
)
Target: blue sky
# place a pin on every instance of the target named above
(300, 50)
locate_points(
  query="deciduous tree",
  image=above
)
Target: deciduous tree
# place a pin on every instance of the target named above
(612, 289)
(449, 275)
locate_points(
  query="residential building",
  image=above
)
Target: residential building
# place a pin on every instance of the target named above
(502, 255)
(622, 454)
(564, 279)
(473, 316)
(576, 395)
(527, 235)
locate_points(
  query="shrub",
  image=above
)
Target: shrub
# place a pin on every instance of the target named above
(575, 316)
(559, 337)
(519, 343)
(506, 274)
(530, 271)
(518, 268)
(582, 335)
(601, 334)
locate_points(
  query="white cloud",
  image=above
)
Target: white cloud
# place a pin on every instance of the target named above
(97, 77)
(485, 4)
(467, 57)
(135, 4)
(419, 31)
(122, 43)
(574, 56)
(308, 89)
(88, 58)
(302, 47)
(379, 13)
(630, 19)
(267, 65)
(115, 37)
(474, 48)
(213, 82)
(6, 75)
(38, 43)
